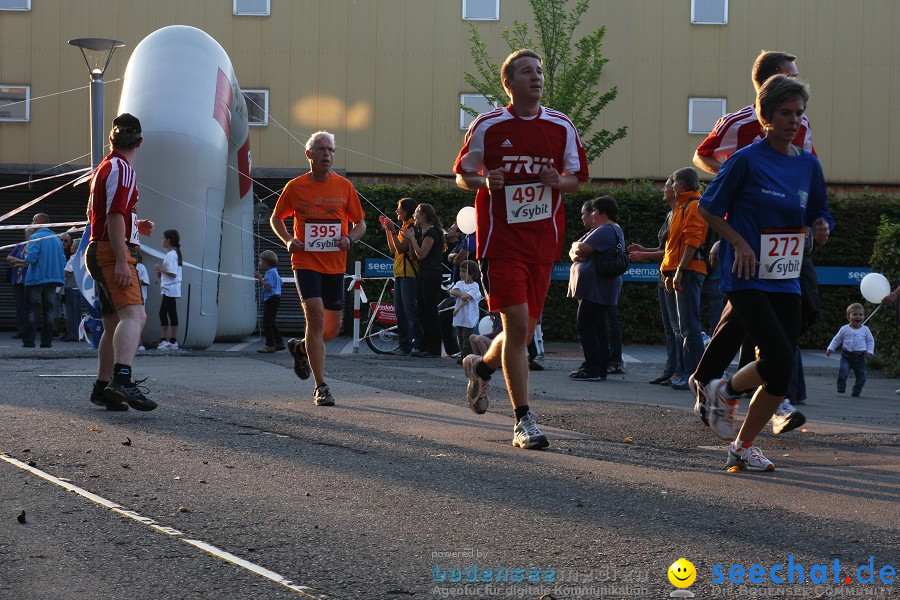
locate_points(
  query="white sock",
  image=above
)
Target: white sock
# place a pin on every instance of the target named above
(784, 408)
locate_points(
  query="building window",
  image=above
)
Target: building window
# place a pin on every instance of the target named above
(476, 102)
(481, 10)
(709, 12)
(253, 8)
(257, 106)
(15, 4)
(703, 114)
(15, 103)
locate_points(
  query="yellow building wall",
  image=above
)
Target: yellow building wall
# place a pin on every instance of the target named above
(385, 76)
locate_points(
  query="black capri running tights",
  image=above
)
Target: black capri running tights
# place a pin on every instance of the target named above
(167, 313)
(772, 322)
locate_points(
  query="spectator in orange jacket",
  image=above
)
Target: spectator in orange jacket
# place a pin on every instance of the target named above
(684, 270)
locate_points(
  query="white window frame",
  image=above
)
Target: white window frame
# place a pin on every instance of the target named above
(239, 13)
(26, 7)
(27, 118)
(265, 107)
(465, 119)
(694, 20)
(695, 129)
(496, 11)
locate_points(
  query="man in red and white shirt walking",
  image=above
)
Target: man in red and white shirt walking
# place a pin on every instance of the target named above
(111, 260)
(520, 159)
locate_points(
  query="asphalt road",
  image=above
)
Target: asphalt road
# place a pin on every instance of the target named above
(400, 488)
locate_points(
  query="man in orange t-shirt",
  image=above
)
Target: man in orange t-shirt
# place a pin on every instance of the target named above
(328, 220)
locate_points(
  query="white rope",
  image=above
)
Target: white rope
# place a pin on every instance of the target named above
(160, 255)
(84, 87)
(33, 181)
(47, 225)
(201, 211)
(46, 237)
(16, 211)
(358, 153)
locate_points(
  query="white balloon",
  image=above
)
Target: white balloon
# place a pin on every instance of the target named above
(874, 287)
(465, 219)
(485, 325)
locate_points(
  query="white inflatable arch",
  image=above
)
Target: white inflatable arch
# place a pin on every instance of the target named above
(193, 172)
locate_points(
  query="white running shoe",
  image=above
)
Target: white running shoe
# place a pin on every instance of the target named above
(720, 408)
(476, 388)
(786, 418)
(173, 345)
(165, 345)
(785, 407)
(751, 459)
(527, 435)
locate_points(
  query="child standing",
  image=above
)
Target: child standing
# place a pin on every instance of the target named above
(858, 346)
(144, 278)
(465, 313)
(271, 297)
(169, 276)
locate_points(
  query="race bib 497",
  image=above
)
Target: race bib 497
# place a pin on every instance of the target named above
(528, 202)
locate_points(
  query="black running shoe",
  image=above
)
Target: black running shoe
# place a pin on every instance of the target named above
(297, 348)
(100, 400)
(132, 394)
(323, 396)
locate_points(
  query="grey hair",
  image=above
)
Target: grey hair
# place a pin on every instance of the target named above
(687, 177)
(312, 139)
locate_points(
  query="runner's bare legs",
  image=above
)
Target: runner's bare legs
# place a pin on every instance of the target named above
(508, 351)
(321, 325)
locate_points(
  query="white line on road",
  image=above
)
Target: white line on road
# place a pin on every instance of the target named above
(241, 346)
(121, 510)
(65, 375)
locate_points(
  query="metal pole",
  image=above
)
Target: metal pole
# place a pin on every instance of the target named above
(96, 118)
(357, 271)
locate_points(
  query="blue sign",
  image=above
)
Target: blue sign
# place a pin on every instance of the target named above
(841, 275)
(378, 267)
(641, 273)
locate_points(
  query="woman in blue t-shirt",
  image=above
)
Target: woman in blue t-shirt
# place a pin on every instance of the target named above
(761, 202)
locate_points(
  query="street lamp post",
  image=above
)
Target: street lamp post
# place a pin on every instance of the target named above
(96, 52)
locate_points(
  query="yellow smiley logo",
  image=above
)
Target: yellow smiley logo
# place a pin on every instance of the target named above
(682, 573)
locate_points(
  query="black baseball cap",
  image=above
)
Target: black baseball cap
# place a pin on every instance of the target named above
(126, 123)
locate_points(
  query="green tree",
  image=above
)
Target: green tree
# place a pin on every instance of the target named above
(572, 71)
(886, 259)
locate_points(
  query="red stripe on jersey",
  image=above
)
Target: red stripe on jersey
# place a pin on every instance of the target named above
(742, 128)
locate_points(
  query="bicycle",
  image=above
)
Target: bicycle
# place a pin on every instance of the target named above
(381, 326)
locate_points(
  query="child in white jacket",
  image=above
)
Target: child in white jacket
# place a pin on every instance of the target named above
(858, 346)
(465, 313)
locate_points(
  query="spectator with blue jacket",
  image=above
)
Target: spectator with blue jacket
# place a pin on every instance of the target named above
(46, 263)
(17, 269)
